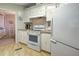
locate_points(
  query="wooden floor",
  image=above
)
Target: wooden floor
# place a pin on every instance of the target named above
(6, 41)
(10, 50)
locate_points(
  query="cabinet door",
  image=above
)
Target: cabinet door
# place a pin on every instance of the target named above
(45, 42)
(24, 37)
(27, 14)
(50, 11)
(19, 36)
(48, 42)
(37, 11)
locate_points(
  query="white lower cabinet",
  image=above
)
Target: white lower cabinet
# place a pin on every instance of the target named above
(19, 36)
(45, 41)
(25, 37)
(22, 36)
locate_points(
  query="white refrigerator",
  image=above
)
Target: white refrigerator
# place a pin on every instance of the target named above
(65, 38)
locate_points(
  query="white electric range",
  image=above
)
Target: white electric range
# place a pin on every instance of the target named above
(34, 40)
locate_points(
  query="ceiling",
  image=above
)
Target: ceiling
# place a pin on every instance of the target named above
(25, 4)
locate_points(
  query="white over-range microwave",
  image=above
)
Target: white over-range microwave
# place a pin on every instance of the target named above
(38, 27)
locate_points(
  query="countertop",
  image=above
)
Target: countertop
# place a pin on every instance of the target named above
(43, 31)
(22, 29)
(46, 31)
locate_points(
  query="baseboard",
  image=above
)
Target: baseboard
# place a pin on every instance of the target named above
(23, 43)
(3, 37)
(46, 51)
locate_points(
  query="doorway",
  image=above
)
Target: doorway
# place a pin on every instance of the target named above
(7, 27)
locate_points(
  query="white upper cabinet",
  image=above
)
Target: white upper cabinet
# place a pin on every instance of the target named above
(35, 11)
(38, 11)
(50, 11)
(27, 14)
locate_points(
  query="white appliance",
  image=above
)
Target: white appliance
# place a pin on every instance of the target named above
(34, 40)
(65, 41)
(38, 27)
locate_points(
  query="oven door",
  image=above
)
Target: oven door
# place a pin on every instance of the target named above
(34, 39)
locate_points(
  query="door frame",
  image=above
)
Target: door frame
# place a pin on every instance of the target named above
(15, 22)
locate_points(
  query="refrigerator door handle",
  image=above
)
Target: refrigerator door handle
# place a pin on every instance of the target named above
(54, 41)
(68, 45)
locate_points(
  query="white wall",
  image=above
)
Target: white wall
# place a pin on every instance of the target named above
(18, 10)
(15, 8)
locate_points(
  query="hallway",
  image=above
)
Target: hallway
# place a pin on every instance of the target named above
(6, 41)
(7, 27)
